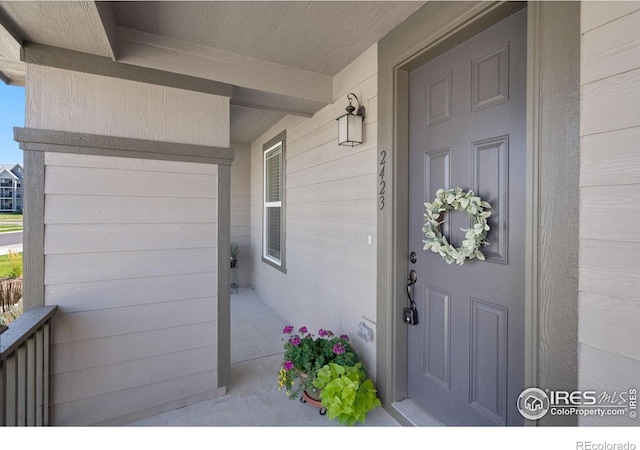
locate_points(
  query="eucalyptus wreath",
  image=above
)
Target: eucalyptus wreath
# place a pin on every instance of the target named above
(475, 237)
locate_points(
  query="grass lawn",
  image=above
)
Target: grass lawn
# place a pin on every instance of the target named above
(10, 217)
(7, 228)
(5, 265)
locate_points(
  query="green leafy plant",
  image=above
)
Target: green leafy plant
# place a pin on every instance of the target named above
(233, 252)
(233, 249)
(15, 261)
(8, 267)
(346, 392)
(306, 353)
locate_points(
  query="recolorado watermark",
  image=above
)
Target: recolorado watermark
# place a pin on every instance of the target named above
(535, 403)
(588, 445)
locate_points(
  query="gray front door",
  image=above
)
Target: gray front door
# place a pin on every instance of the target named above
(467, 130)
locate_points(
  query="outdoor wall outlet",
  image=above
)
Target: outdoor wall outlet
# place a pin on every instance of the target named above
(365, 332)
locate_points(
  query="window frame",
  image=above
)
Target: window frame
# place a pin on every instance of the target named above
(269, 146)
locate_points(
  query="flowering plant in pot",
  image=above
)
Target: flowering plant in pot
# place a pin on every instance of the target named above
(306, 353)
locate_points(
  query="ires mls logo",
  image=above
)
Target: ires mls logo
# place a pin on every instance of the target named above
(534, 403)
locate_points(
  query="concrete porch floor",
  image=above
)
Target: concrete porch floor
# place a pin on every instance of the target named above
(253, 398)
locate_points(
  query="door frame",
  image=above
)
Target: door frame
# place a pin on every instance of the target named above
(431, 31)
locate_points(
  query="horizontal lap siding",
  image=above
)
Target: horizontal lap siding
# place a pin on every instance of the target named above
(610, 159)
(241, 210)
(609, 197)
(119, 237)
(86, 267)
(612, 48)
(139, 399)
(131, 260)
(608, 372)
(620, 205)
(331, 201)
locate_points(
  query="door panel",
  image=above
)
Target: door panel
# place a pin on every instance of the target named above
(488, 368)
(437, 336)
(467, 129)
(490, 175)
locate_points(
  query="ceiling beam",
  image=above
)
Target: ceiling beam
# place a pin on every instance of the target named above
(108, 19)
(44, 55)
(240, 104)
(10, 42)
(163, 53)
(12, 70)
(277, 103)
(74, 25)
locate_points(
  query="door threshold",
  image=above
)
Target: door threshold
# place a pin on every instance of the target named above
(417, 416)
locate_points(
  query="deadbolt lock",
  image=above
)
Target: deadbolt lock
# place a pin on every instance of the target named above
(411, 316)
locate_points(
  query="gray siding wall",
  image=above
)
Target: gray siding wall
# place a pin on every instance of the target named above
(330, 217)
(241, 210)
(130, 258)
(609, 198)
(130, 249)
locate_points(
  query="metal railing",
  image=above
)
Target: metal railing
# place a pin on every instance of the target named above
(25, 369)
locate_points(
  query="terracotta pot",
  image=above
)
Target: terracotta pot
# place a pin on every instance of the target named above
(306, 398)
(312, 395)
(312, 399)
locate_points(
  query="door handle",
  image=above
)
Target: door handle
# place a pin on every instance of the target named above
(410, 314)
(413, 277)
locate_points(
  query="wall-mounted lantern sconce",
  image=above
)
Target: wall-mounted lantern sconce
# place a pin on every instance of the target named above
(350, 124)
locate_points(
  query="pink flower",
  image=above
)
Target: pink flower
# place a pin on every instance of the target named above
(288, 329)
(303, 330)
(344, 336)
(338, 349)
(322, 332)
(288, 365)
(294, 340)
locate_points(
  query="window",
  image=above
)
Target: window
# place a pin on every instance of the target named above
(274, 205)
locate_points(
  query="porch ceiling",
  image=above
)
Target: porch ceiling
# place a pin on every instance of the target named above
(280, 56)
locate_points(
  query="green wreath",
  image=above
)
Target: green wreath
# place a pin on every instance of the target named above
(476, 236)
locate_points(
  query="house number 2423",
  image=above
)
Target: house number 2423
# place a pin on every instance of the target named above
(381, 175)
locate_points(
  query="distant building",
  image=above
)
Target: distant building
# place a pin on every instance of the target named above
(11, 187)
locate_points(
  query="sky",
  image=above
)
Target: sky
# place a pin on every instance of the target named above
(11, 115)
